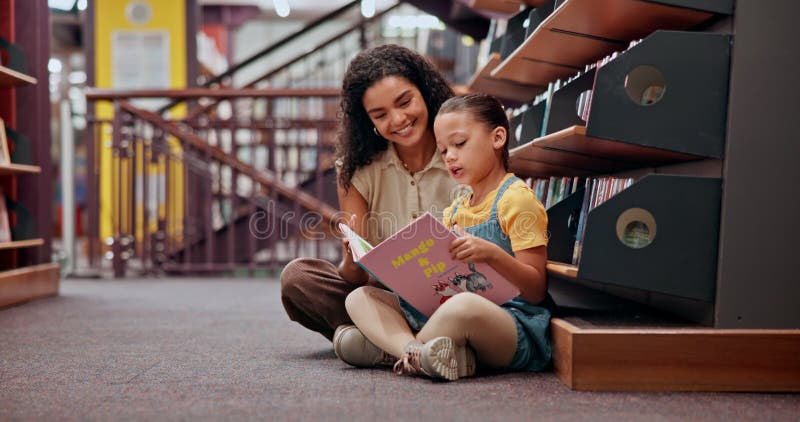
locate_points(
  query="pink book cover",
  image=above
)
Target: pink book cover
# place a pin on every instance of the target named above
(415, 263)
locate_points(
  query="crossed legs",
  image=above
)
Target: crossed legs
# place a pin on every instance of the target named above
(466, 318)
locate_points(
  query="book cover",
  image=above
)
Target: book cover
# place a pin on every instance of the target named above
(415, 263)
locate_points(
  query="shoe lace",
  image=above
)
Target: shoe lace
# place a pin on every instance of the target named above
(386, 359)
(409, 362)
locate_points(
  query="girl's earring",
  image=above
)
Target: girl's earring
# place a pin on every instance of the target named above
(374, 129)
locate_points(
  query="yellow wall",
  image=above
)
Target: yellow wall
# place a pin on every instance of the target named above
(168, 16)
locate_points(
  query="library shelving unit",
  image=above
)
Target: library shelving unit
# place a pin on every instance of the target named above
(26, 270)
(483, 81)
(694, 309)
(501, 7)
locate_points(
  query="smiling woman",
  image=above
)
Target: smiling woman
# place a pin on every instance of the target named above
(388, 174)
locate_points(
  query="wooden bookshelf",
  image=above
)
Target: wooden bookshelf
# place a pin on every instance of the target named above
(19, 244)
(484, 82)
(12, 169)
(9, 78)
(26, 271)
(580, 32)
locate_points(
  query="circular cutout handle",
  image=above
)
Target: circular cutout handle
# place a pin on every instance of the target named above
(645, 85)
(636, 228)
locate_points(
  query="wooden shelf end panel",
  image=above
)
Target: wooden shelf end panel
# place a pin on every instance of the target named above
(29, 283)
(676, 359)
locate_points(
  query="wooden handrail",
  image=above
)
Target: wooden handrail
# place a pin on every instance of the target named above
(327, 212)
(94, 94)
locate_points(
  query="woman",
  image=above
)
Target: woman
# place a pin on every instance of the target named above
(388, 174)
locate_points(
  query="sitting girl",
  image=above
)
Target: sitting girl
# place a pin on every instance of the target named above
(505, 227)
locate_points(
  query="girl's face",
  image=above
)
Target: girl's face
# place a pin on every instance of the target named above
(397, 110)
(470, 149)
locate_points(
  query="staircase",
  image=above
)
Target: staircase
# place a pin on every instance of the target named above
(243, 180)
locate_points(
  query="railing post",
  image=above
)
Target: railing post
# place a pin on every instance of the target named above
(117, 264)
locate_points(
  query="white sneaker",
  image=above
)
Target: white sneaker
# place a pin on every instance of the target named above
(438, 358)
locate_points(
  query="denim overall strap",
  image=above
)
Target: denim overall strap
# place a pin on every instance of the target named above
(490, 229)
(500, 193)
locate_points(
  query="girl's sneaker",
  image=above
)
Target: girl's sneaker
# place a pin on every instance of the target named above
(438, 358)
(353, 348)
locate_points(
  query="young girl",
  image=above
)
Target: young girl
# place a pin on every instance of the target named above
(505, 227)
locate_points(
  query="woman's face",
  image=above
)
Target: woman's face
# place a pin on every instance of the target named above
(398, 111)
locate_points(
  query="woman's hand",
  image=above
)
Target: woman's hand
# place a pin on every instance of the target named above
(348, 265)
(348, 269)
(472, 249)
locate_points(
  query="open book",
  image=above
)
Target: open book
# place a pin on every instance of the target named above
(415, 263)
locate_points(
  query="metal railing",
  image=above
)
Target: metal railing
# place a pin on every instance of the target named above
(219, 179)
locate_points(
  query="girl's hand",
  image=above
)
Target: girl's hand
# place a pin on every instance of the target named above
(472, 249)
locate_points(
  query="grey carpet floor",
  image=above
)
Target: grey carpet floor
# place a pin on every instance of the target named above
(178, 349)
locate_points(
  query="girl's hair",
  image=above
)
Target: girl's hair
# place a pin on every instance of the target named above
(485, 109)
(358, 143)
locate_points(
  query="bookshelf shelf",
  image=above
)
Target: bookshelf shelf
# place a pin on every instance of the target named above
(574, 139)
(582, 31)
(505, 7)
(564, 271)
(19, 244)
(573, 163)
(11, 169)
(9, 78)
(483, 81)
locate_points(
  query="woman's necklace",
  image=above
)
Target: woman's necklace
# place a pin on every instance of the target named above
(405, 166)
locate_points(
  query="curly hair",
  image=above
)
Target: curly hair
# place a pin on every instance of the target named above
(358, 144)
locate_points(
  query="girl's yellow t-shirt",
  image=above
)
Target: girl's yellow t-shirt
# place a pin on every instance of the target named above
(522, 217)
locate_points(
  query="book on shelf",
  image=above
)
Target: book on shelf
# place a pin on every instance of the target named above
(5, 155)
(415, 263)
(551, 191)
(597, 191)
(5, 225)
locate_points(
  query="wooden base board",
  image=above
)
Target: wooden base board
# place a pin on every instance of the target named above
(675, 359)
(28, 283)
